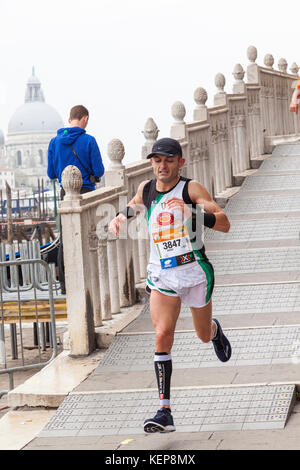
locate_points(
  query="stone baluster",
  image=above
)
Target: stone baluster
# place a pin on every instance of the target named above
(115, 174)
(178, 127)
(238, 117)
(270, 102)
(224, 157)
(150, 132)
(217, 171)
(225, 151)
(256, 138)
(216, 136)
(104, 278)
(283, 100)
(93, 248)
(113, 273)
(239, 87)
(200, 112)
(243, 139)
(126, 271)
(76, 253)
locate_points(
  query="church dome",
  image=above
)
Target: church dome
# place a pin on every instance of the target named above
(35, 115)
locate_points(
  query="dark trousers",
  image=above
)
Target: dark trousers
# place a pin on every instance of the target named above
(60, 254)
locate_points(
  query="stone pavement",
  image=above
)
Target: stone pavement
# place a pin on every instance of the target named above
(249, 402)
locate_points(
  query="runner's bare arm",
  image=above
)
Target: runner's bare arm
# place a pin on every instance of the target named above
(136, 203)
(201, 196)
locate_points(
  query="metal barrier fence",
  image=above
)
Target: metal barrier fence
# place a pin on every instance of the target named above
(14, 298)
(26, 251)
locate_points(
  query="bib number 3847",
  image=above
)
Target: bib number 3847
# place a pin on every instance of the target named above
(174, 251)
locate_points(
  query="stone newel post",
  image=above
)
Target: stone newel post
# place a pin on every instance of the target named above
(282, 65)
(77, 266)
(294, 68)
(200, 97)
(269, 61)
(220, 97)
(150, 132)
(252, 69)
(115, 174)
(239, 87)
(178, 127)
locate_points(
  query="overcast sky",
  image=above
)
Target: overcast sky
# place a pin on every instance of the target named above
(127, 60)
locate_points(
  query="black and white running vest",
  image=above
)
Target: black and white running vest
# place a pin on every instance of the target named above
(170, 242)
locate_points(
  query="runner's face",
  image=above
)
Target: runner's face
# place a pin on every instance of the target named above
(166, 169)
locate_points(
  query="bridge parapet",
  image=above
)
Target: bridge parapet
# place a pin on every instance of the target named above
(218, 145)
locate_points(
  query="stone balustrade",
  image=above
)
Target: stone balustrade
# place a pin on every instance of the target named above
(218, 145)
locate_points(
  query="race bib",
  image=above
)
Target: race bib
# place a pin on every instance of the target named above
(172, 241)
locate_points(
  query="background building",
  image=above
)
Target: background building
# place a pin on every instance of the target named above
(30, 130)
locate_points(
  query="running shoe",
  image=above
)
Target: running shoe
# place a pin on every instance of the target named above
(221, 344)
(162, 422)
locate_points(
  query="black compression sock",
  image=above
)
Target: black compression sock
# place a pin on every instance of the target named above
(163, 370)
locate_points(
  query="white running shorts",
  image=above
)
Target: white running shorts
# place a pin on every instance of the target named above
(193, 284)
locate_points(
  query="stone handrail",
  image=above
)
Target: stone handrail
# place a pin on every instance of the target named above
(218, 146)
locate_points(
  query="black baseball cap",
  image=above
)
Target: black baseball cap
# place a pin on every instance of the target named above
(166, 146)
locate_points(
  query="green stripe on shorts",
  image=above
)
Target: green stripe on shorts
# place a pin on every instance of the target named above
(209, 273)
(161, 290)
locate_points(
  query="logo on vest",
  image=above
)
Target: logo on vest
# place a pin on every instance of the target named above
(165, 218)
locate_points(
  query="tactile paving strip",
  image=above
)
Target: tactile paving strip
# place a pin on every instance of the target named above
(280, 164)
(270, 183)
(251, 299)
(250, 346)
(250, 230)
(265, 204)
(255, 260)
(193, 410)
(286, 150)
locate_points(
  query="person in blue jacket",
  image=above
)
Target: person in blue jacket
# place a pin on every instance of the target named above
(73, 146)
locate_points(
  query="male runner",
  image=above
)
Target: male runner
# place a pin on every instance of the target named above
(178, 269)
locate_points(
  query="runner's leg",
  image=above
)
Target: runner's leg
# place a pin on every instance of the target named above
(164, 311)
(205, 327)
(208, 329)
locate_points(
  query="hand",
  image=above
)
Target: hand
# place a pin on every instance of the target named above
(175, 203)
(294, 106)
(117, 225)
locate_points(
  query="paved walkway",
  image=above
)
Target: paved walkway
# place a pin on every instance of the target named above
(249, 402)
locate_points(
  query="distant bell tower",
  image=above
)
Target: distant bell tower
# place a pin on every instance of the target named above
(34, 90)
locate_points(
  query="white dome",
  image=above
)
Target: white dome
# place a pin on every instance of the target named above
(32, 117)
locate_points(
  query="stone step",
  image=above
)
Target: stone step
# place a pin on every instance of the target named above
(256, 162)
(223, 197)
(194, 409)
(239, 178)
(250, 346)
